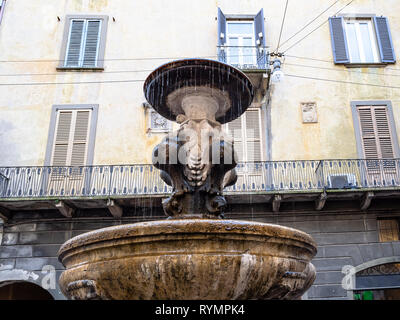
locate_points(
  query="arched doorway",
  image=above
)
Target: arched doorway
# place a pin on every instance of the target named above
(23, 290)
(378, 280)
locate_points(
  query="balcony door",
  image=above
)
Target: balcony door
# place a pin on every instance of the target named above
(240, 41)
(377, 143)
(70, 148)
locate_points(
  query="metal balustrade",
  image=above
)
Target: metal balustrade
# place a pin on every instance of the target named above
(244, 57)
(141, 180)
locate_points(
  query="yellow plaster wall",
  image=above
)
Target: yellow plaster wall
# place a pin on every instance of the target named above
(164, 30)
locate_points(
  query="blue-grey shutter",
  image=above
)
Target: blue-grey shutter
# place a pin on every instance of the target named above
(384, 40)
(74, 44)
(221, 36)
(91, 43)
(260, 39)
(339, 42)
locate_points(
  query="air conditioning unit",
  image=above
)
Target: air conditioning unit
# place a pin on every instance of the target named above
(342, 181)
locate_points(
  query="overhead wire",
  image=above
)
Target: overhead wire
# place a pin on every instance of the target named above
(141, 80)
(310, 22)
(343, 82)
(319, 26)
(282, 24)
(342, 70)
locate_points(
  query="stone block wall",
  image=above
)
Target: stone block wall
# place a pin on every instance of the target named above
(343, 239)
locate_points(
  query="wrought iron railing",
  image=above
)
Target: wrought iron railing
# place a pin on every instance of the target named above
(244, 57)
(142, 180)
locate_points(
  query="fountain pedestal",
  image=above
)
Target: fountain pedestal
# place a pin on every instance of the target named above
(194, 254)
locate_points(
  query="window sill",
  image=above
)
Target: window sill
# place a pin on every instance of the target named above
(81, 69)
(366, 65)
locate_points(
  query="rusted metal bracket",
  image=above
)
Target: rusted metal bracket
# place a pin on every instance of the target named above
(115, 210)
(5, 214)
(276, 202)
(366, 200)
(320, 202)
(64, 209)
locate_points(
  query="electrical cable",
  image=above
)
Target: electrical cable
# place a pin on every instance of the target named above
(283, 22)
(137, 80)
(309, 23)
(340, 70)
(322, 24)
(344, 82)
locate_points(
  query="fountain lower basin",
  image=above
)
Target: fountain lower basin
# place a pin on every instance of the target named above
(188, 259)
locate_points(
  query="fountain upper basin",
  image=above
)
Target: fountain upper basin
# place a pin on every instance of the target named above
(188, 259)
(230, 90)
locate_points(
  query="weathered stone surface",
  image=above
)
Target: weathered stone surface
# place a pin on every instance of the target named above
(188, 259)
(9, 238)
(36, 264)
(15, 251)
(327, 291)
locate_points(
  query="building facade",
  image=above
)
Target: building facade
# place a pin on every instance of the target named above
(318, 150)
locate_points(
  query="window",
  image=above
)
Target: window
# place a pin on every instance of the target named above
(241, 40)
(376, 140)
(248, 143)
(2, 7)
(71, 136)
(246, 132)
(361, 40)
(388, 230)
(375, 130)
(240, 43)
(84, 42)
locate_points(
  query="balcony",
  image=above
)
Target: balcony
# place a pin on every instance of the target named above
(252, 60)
(246, 58)
(26, 188)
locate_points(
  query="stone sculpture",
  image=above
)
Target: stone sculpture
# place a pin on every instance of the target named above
(194, 255)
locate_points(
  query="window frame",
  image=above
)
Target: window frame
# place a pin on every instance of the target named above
(380, 228)
(240, 37)
(101, 44)
(360, 44)
(258, 20)
(337, 46)
(244, 136)
(91, 135)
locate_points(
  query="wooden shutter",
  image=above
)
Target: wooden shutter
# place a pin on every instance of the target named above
(253, 136)
(75, 43)
(235, 130)
(79, 144)
(71, 138)
(388, 230)
(260, 39)
(384, 40)
(246, 132)
(338, 38)
(62, 138)
(91, 43)
(221, 35)
(375, 132)
(83, 44)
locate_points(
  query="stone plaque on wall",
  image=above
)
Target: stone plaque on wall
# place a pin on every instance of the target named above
(158, 123)
(309, 112)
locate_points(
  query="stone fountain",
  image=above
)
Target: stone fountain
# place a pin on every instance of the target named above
(195, 253)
